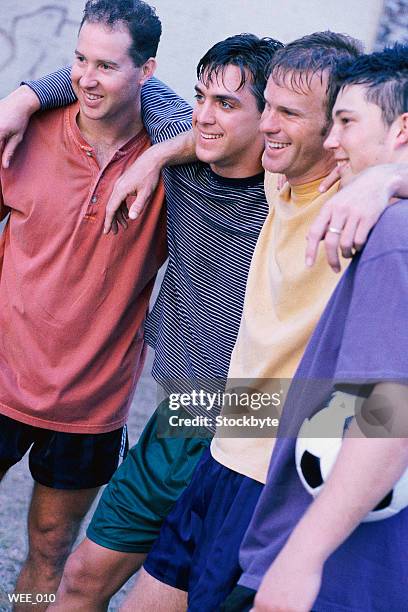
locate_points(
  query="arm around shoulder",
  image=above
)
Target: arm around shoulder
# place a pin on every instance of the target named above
(142, 177)
(15, 112)
(354, 211)
(165, 114)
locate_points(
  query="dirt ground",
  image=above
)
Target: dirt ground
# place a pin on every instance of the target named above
(16, 487)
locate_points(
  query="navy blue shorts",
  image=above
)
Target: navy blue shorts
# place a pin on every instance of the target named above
(198, 546)
(62, 460)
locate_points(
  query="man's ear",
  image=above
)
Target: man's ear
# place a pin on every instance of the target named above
(402, 133)
(148, 70)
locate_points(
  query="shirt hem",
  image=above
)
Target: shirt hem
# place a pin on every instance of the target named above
(226, 462)
(250, 582)
(16, 415)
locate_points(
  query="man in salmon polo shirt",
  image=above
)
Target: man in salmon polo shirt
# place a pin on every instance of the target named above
(71, 311)
(215, 211)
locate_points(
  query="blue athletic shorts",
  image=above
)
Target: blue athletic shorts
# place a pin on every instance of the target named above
(197, 549)
(59, 460)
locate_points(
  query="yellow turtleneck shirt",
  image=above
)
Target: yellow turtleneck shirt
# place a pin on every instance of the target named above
(283, 303)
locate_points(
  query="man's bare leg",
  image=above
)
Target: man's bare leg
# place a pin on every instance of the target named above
(150, 594)
(92, 575)
(54, 519)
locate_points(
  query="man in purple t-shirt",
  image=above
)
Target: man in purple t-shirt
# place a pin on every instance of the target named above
(320, 555)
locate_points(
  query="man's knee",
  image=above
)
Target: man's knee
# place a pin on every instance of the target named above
(79, 577)
(50, 542)
(151, 594)
(54, 520)
(96, 573)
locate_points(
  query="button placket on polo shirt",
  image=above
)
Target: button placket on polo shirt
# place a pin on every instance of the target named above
(93, 205)
(92, 208)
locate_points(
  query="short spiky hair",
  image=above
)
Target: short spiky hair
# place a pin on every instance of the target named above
(383, 74)
(315, 54)
(141, 20)
(249, 53)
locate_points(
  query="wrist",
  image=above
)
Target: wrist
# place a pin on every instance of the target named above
(295, 559)
(160, 155)
(27, 99)
(308, 544)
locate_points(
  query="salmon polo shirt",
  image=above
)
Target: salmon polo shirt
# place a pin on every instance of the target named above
(72, 300)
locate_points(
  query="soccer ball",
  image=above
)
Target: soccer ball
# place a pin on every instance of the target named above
(315, 456)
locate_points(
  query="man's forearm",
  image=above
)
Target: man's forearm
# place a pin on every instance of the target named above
(15, 112)
(143, 175)
(365, 471)
(178, 150)
(25, 99)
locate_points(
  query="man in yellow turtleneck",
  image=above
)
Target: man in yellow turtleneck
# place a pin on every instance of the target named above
(197, 550)
(284, 299)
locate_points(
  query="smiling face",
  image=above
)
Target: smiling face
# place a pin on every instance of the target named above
(294, 127)
(226, 125)
(359, 137)
(104, 77)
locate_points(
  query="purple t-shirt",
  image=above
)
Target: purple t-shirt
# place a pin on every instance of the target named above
(361, 337)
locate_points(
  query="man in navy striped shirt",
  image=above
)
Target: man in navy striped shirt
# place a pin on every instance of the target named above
(215, 212)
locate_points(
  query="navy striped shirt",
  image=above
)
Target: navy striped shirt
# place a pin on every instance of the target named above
(213, 226)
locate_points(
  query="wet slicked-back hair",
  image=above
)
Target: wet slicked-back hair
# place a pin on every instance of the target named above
(312, 55)
(141, 20)
(383, 74)
(252, 55)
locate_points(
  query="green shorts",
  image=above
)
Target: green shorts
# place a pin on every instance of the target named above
(144, 489)
(241, 599)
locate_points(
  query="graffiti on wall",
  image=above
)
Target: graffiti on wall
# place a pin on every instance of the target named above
(394, 23)
(35, 43)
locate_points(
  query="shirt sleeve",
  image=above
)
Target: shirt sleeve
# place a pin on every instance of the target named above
(55, 89)
(374, 346)
(165, 114)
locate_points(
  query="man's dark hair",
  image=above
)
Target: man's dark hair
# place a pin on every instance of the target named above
(141, 20)
(315, 54)
(384, 76)
(249, 53)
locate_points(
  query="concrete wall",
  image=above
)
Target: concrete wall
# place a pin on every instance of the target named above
(37, 36)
